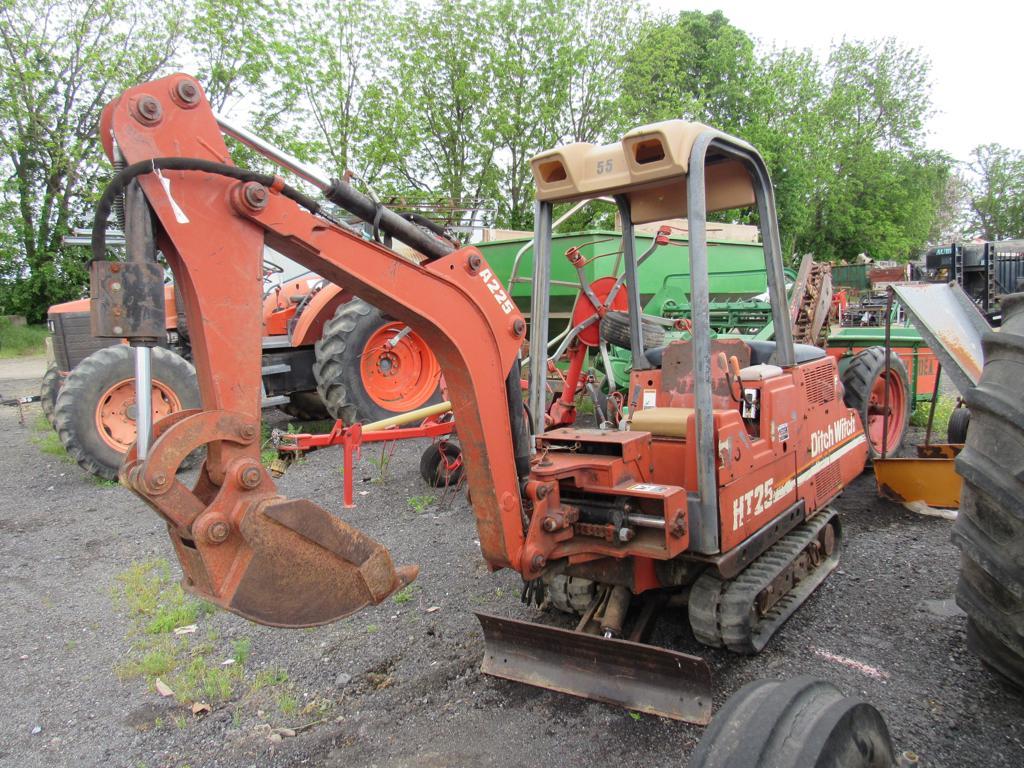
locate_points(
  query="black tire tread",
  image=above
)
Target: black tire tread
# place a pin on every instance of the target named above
(69, 421)
(798, 723)
(615, 329)
(569, 594)
(989, 530)
(49, 389)
(721, 611)
(866, 366)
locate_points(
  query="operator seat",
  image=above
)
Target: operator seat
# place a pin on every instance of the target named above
(760, 352)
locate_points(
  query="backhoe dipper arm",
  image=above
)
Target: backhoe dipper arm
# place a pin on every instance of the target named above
(242, 545)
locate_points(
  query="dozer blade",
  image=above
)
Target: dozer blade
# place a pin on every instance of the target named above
(632, 675)
(295, 565)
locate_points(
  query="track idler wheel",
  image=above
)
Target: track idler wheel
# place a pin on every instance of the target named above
(800, 723)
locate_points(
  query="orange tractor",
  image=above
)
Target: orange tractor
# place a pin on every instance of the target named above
(324, 354)
(712, 493)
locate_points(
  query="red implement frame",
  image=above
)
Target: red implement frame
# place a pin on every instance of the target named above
(351, 440)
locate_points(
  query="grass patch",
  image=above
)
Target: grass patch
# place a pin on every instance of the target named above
(288, 704)
(21, 340)
(190, 665)
(943, 409)
(50, 444)
(404, 595)
(268, 678)
(419, 503)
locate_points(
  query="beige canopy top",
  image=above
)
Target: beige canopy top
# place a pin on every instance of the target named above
(649, 166)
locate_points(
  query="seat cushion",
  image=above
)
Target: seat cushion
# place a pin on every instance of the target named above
(662, 422)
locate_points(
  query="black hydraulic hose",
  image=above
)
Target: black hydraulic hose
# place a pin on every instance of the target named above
(430, 224)
(391, 223)
(517, 421)
(124, 177)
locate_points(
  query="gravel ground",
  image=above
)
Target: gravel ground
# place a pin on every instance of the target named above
(397, 685)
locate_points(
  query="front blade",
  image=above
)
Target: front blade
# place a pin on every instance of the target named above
(632, 675)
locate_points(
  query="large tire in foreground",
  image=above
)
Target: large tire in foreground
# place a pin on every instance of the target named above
(799, 723)
(990, 527)
(94, 415)
(49, 388)
(615, 330)
(360, 376)
(864, 383)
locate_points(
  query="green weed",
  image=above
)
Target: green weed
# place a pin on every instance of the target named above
(242, 648)
(943, 409)
(50, 444)
(372, 629)
(419, 503)
(404, 595)
(267, 678)
(288, 704)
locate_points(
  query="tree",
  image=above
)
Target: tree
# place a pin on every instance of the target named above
(62, 62)
(235, 43)
(876, 187)
(696, 66)
(997, 194)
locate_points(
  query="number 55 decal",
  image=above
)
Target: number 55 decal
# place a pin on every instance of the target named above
(604, 166)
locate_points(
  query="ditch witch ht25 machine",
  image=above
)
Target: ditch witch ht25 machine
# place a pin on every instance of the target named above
(714, 494)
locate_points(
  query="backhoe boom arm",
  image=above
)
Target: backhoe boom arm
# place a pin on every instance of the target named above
(241, 544)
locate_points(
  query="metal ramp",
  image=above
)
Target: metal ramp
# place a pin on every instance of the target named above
(951, 324)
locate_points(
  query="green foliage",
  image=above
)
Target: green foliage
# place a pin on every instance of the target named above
(419, 503)
(442, 103)
(21, 340)
(997, 196)
(404, 595)
(62, 61)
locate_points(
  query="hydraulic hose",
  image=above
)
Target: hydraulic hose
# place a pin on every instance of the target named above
(122, 179)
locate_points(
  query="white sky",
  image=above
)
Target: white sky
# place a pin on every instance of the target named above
(972, 44)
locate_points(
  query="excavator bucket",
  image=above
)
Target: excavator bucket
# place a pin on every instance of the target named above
(294, 565)
(632, 675)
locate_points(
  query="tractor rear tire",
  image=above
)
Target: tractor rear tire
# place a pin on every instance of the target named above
(863, 381)
(342, 363)
(49, 389)
(615, 329)
(990, 527)
(956, 429)
(305, 406)
(798, 723)
(98, 394)
(569, 594)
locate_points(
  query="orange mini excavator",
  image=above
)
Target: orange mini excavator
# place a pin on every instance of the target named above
(713, 491)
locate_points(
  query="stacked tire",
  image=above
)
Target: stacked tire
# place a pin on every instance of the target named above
(990, 527)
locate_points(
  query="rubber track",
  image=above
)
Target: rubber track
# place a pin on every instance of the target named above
(732, 601)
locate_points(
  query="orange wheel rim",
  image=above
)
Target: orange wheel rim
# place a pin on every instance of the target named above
(398, 375)
(115, 412)
(897, 411)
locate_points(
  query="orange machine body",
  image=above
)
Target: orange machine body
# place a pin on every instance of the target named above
(248, 549)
